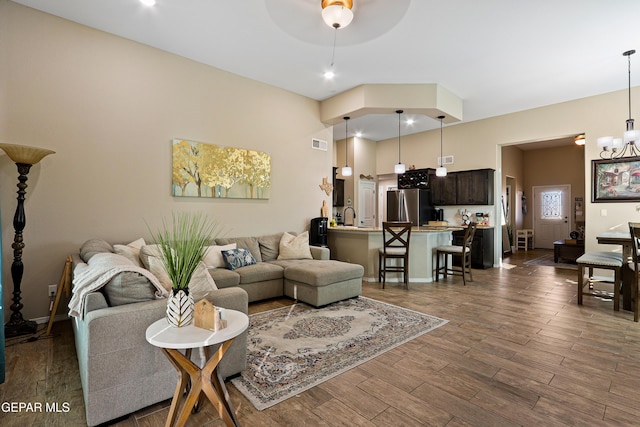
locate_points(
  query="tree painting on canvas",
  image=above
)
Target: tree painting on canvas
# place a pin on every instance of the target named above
(207, 170)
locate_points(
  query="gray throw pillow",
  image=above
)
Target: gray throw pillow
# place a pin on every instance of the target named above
(94, 246)
(128, 287)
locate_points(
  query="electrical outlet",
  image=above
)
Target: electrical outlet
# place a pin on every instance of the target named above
(52, 290)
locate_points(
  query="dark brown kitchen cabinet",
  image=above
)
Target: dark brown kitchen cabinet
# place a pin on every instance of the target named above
(474, 187)
(443, 189)
(481, 248)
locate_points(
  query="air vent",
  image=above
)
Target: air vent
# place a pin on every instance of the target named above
(446, 160)
(319, 144)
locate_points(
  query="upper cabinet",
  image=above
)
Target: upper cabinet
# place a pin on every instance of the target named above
(474, 187)
(443, 189)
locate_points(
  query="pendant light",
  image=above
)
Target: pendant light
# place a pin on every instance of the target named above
(346, 170)
(441, 170)
(617, 147)
(399, 168)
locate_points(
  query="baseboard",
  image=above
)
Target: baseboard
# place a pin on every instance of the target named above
(41, 320)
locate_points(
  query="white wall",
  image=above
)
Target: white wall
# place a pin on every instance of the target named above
(110, 107)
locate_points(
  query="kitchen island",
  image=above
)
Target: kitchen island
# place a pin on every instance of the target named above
(360, 245)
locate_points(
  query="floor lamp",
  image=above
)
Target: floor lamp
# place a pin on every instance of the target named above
(24, 157)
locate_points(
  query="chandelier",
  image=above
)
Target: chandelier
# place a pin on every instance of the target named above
(613, 148)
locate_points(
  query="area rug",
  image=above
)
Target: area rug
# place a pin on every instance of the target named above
(292, 349)
(547, 261)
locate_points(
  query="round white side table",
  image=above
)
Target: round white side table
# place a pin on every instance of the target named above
(197, 382)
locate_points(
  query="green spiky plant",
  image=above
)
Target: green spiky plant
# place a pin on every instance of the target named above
(183, 245)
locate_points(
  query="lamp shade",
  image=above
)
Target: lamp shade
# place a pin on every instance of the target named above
(24, 154)
(441, 171)
(605, 141)
(337, 13)
(631, 136)
(347, 171)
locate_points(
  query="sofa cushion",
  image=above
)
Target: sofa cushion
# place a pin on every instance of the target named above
(270, 246)
(224, 278)
(94, 246)
(250, 243)
(260, 272)
(236, 258)
(294, 247)
(128, 287)
(319, 272)
(213, 255)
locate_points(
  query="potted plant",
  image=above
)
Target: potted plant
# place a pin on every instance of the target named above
(182, 245)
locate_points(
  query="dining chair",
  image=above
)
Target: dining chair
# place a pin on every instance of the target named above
(395, 238)
(463, 251)
(634, 230)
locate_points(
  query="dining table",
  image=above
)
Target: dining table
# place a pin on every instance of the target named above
(622, 238)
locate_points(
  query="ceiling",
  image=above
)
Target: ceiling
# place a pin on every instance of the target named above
(498, 56)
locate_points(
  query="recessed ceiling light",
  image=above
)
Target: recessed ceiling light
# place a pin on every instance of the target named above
(148, 2)
(329, 75)
(409, 122)
(359, 134)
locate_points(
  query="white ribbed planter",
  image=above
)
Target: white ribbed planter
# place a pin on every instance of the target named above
(180, 308)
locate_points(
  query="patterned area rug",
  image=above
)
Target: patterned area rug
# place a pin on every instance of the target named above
(292, 349)
(547, 261)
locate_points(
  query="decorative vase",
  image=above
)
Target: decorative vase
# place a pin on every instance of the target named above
(180, 308)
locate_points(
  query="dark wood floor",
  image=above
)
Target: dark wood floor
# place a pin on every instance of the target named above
(517, 351)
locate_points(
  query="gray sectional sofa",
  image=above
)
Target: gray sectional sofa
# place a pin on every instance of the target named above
(121, 373)
(318, 281)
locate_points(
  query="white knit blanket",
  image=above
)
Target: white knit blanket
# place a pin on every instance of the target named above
(100, 269)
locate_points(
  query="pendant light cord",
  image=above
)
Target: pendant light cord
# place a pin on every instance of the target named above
(333, 52)
(346, 151)
(441, 141)
(399, 113)
(628, 55)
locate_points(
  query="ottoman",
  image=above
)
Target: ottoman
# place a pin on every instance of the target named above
(321, 282)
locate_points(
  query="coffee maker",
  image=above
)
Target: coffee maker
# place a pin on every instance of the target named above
(318, 232)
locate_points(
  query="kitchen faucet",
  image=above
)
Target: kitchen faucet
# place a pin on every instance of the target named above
(344, 216)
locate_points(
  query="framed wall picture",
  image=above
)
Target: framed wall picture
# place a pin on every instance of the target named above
(615, 180)
(213, 171)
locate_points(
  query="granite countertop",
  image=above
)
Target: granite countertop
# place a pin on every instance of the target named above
(421, 229)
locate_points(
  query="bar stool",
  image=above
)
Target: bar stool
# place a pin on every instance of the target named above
(603, 260)
(395, 238)
(524, 239)
(463, 251)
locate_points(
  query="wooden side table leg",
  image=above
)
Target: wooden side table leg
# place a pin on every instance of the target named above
(214, 387)
(190, 378)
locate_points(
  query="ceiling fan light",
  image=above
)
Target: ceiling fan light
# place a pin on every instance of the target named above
(399, 168)
(441, 171)
(337, 13)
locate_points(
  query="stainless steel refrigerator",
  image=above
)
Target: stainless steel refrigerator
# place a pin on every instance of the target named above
(413, 205)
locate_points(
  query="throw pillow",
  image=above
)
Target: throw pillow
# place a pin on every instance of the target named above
(94, 246)
(236, 258)
(213, 256)
(131, 251)
(295, 247)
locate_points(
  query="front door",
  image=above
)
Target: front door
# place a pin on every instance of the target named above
(551, 220)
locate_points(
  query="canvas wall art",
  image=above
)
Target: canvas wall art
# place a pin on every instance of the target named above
(616, 180)
(207, 170)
